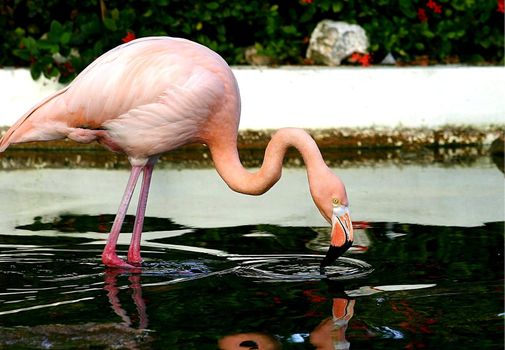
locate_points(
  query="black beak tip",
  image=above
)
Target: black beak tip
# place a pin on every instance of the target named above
(333, 254)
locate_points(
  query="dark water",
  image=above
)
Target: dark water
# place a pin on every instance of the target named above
(402, 286)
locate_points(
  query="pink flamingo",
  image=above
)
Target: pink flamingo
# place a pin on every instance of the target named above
(155, 94)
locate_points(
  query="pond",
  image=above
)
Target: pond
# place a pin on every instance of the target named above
(226, 271)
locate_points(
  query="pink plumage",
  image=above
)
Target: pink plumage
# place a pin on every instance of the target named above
(146, 86)
(155, 94)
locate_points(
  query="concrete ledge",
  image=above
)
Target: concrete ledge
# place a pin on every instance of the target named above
(322, 98)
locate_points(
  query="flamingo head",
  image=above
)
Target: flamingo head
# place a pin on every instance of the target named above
(330, 197)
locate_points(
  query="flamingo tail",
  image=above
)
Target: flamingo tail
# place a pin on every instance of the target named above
(30, 127)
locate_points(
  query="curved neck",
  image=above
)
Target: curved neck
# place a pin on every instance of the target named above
(229, 167)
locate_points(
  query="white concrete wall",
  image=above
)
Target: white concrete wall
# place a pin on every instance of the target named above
(320, 97)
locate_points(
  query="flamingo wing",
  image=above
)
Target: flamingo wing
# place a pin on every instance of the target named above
(144, 97)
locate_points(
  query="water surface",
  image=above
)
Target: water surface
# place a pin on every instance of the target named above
(404, 286)
(232, 272)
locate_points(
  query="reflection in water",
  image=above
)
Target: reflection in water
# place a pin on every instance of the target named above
(102, 223)
(136, 289)
(249, 341)
(328, 335)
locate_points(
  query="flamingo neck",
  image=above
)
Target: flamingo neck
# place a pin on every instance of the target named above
(239, 179)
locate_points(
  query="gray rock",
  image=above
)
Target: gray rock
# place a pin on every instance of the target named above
(331, 42)
(389, 59)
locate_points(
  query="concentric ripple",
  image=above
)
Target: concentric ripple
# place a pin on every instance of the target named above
(296, 267)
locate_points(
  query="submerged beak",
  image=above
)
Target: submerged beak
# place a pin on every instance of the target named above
(341, 234)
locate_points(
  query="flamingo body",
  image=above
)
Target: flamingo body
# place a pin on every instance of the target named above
(153, 95)
(142, 99)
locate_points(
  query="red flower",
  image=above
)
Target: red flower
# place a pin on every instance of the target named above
(69, 67)
(355, 57)
(431, 4)
(306, 1)
(501, 6)
(421, 14)
(129, 37)
(364, 59)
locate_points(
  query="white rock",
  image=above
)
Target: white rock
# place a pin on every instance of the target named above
(331, 42)
(389, 59)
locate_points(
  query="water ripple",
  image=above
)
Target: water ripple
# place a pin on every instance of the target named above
(298, 267)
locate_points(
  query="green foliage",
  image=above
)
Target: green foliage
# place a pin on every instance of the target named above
(59, 38)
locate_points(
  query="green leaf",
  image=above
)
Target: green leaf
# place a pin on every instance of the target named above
(22, 53)
(213, 5)
(324, 6)
(52, 72)
(35, 71)
(407, 8)
(306, 16)
(56, 27)
(19, 31)
(110, 24)
(48, 46)
(65, 38)
(459, 5)
(428, 33)
(289, 29)
(114, 14)
(337, 6)
(29, 43)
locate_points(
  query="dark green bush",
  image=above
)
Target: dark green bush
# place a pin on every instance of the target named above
(59, 38)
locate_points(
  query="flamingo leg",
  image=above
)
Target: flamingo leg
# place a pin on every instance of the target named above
(134, 250)
(109, 255)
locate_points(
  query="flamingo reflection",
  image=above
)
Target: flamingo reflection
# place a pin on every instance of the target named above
(328, 335)
(136, 289)
(249, 341)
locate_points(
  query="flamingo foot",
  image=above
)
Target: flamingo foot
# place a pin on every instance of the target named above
(134, 258)
(112, 260)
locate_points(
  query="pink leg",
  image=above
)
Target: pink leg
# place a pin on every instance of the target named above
(109, 255)
(134, 250)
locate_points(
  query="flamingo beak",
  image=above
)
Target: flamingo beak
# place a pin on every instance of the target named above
(341, 234)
